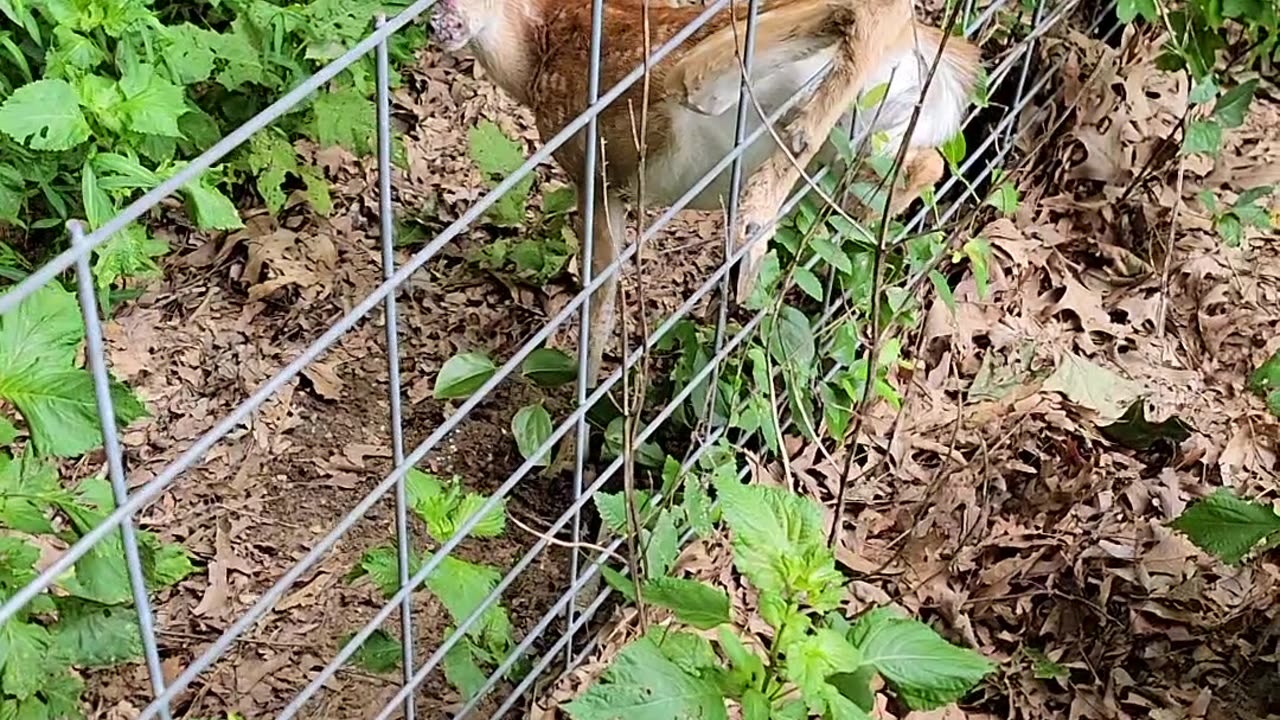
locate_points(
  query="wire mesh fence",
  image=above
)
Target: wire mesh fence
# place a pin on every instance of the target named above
(559, 637)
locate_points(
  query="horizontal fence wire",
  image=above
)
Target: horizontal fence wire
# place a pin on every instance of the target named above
(128, 504)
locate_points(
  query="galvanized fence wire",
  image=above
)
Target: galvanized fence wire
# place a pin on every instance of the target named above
(77, 257)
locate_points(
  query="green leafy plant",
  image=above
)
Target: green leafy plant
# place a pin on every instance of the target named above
(460, 585)
(542, 250)
(1229, 526)
(817, 663)
(1231, 222)
(99, 102)
(86, 619)
(1265, 381)
(40, 379)
(532, 424)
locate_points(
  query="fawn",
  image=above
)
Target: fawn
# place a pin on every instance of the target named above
(538, 51)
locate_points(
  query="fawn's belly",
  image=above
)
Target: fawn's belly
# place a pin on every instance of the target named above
(699, 142)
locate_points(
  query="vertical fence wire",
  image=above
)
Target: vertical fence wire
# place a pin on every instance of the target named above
(586, 265)
(735, 187)
(404, 539)
(96, 354)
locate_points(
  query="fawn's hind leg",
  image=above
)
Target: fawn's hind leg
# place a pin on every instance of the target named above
(601, 321)
(870, 28)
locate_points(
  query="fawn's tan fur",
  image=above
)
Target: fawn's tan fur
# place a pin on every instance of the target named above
(538, 51)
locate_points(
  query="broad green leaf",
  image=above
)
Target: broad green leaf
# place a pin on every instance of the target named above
(128, 253)
(29, 488)
(1202, 136)
(152, 105)
(1267, 376)
(44, 330)
(95, 635)
(648, 453)
(531, 427)
(462, 374)
(1231, 108)
(497, 156)
(662, 544)
(23, 650)
(492, 524)
(493, 152)
(856, 686)
(61, 410)
(461, 669)
(871, 98)
(380, 652)
(790, 338)
(924, 669)
(693, 602)
(169, 564)
(755, 706)
(344, 117)
(697, 505)
(812, 658)
(619, 582)
(778, 542)
(190, 53)
(834, 256)
(61, 693)
(434, 501)
(98, 207)
(317, 190)
(749, 664)
(642, 684)
(1129, 10)
(1004, 198)
(271, 158)
(44, 115)
(691, 653)
(559, 200)
(1203, 90)
(954, 149)
(462, 586)
(381, 566)
(211, 208)
(17, 561)
(1226, 525)
(72, 54)
(613, 509)
(809, 282)
(549, 367)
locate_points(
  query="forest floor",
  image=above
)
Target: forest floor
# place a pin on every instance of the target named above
(994, 506)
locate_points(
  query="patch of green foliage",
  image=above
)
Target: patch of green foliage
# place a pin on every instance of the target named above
(460, 585)
(101, 101)
(1223, 46)
(86, 619)
(541, 250)
(817, 664)
(1229, 526)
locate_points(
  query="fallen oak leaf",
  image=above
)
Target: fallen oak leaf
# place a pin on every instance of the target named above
(1092, 386)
